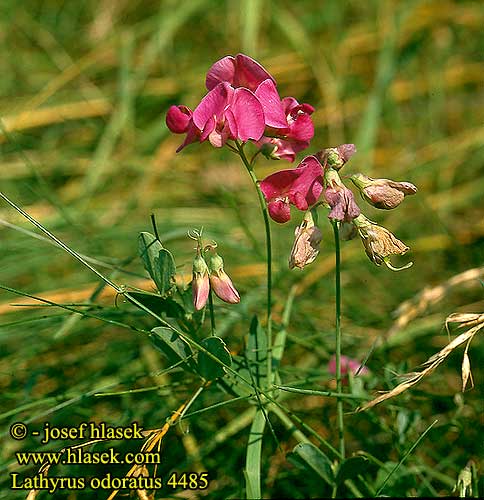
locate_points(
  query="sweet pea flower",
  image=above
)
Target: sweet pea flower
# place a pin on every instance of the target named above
(347, 365)
(220, 282)
(288, 124)
(228, 113)
(200, 282)
(294, 137)
(300, 186)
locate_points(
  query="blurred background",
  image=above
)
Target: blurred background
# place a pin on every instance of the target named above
(84, 149)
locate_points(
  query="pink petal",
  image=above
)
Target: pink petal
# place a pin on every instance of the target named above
(178, 118)
(221, 71)
(224, 289)
(249, 73)
(279, 210)
(213, 104)
(310, 182)
(248, 115)
(208, 128)
(302, 129)
(278, 183)
(271, 103)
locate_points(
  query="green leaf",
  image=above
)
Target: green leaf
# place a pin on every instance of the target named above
(148, 249)
(158, 261)
(207, 366)
(232, 384)
(172, 346)
(352, 467)
(165, 271)
(253, 458)
(313, 459)
(160, 305)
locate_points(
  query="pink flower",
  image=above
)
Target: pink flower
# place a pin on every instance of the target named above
(295, 136)
(289, 126)
(228, 113)
(220, 282)
(300, 186)
(347, 364)
(200, 282)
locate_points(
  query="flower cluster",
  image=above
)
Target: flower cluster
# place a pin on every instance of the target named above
(243, 104)
(211, 275)
(316, 181)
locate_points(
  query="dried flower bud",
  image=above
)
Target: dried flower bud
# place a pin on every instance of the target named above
(220, 282)
(200, 282)
(339, 198)
(306, 243)
(380, 243)
(336, 157)
(382, 193)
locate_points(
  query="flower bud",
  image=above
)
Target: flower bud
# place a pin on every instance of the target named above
(220, 282)
(380, 243)
(336, 157)
(306, 243)
(382, 193)
(178, 119)
(200, 282)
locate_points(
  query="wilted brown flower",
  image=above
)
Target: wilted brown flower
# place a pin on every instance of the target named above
(339, 198)
(379, 243)
(382, 193)
(306, 243)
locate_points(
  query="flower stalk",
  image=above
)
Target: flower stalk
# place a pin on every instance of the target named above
(265, 216)
(339, 384)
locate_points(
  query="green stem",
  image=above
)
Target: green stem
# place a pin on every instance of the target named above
(212, 315)
(265, 215)
(339, 385)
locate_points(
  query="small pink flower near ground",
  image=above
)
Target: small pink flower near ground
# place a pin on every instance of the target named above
(347, 364)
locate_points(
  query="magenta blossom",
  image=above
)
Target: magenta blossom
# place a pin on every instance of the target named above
(228, 113)
(243, 104)
(347, 365)
(295, 136)
(300, 186)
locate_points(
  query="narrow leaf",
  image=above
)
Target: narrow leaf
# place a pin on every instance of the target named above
(253, 459)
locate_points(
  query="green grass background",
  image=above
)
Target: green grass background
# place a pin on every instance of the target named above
(84, 149)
